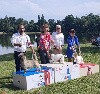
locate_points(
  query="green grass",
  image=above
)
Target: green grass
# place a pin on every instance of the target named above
(84, 85)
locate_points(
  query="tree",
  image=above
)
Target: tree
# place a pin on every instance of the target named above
(52, 24)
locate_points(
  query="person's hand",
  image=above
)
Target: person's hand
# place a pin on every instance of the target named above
(57, 48)
(20, 44)
(49, 56)
(79, 52)
(60, 48)
(52, 41)
(73, 49)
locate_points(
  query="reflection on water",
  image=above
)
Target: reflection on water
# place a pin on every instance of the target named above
(6, 46)
(5, 40)
(6, 50)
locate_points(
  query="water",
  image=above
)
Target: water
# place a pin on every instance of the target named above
(6, 46)
(7, 50)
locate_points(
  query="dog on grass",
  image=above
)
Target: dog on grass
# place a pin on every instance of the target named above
(26, 64)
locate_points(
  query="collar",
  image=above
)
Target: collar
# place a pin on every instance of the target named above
(22, 34)
(58, 33)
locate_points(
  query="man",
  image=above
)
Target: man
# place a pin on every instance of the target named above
(58, 38)
(20, 41)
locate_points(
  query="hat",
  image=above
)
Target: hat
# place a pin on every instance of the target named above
(72, 31)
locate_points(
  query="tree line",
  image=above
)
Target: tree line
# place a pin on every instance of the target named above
(86, 26)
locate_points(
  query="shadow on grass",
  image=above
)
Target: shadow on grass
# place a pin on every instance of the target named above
(9, 57)
(6, 82)
(6, 57)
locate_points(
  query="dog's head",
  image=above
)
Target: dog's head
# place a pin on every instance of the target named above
(22, 56)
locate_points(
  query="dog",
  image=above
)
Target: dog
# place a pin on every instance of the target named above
(78, 58)
(57, 58)
(26, 64)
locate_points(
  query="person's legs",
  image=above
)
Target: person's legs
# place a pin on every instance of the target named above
(42, 56)
(47, 58)
(69, 54)
(17, 61)
(70, 59)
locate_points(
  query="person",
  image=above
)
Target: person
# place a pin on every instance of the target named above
(58, 38)
(20, 41)
(72, 41)
(98, 40)
(44, 44)
(93, 40)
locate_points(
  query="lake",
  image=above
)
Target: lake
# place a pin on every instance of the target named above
(6, 50)
(6, 46)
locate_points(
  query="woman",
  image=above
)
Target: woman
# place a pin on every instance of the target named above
(44, 44)
(58, 38)
(72, 41)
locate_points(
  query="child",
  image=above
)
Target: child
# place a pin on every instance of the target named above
(44, 44)
(72, 41)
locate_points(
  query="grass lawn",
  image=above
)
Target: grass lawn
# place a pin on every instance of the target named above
(84, 85)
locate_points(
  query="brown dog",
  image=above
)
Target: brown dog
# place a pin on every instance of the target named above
(25, 64)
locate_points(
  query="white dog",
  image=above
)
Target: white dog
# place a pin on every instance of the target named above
(78, 58)
(57, 58)
(25, 64)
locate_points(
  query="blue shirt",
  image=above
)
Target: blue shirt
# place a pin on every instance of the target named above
(71, 42)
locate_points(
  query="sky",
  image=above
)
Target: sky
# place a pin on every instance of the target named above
(51, 9)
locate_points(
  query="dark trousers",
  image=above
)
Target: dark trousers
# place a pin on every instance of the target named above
(43, 56)
(17, 61)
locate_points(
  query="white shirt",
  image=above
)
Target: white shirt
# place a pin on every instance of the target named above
(58, 39)
(23, 39)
